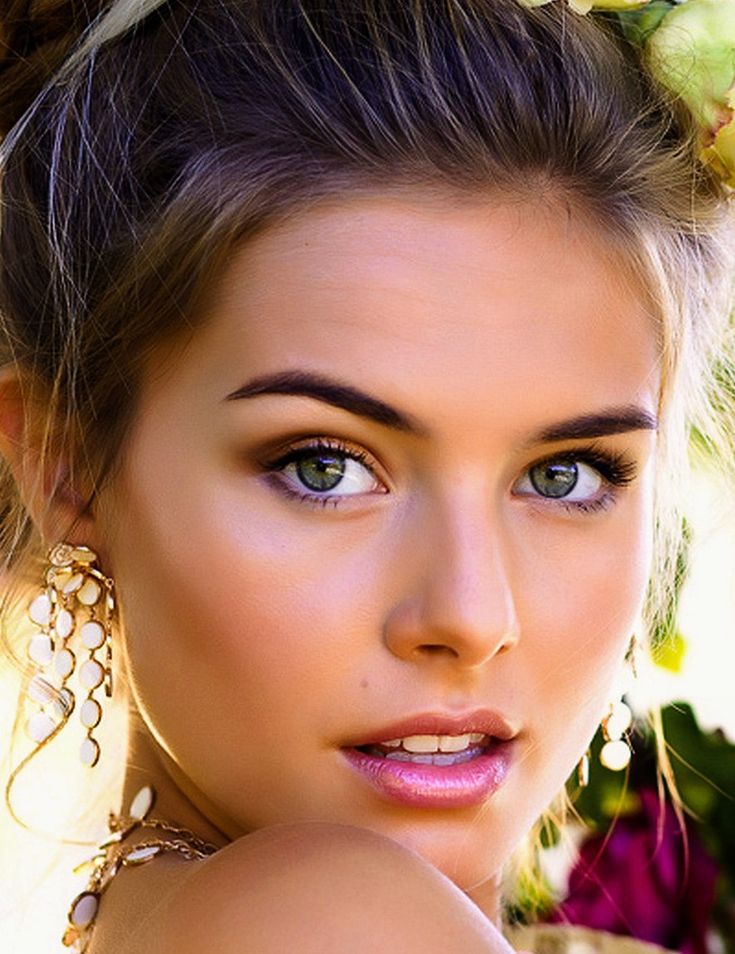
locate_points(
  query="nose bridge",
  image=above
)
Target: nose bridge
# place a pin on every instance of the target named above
(463, 596)
(468, 582)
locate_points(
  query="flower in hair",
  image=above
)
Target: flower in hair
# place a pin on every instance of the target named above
(689, 46)
(692, 52)
(585, 6)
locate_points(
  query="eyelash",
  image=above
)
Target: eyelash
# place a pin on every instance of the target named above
(616, 469)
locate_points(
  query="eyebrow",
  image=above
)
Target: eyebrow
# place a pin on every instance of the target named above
(615, 420)
(323, 388)
(320, 387)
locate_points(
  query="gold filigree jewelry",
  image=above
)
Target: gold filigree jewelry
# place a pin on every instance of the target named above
(112, 855)
(616, 752)
(74, 615)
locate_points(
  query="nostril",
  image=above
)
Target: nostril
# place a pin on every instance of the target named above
(435, 648)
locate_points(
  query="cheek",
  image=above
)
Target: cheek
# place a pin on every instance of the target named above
(247, 617)
(581, 606)
(586, 586)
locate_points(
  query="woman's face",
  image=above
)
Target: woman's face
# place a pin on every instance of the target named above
(404, 468)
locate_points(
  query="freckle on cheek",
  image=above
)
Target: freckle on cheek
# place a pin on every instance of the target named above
(364, 683)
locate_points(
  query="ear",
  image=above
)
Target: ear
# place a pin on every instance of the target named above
(58, 510)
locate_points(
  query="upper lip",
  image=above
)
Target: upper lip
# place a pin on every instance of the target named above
(437, 723)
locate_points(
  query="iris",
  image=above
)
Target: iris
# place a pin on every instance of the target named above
(554, 479)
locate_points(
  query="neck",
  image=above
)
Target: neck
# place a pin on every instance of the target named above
(148, 764)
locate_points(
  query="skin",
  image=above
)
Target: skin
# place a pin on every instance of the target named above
(263, 632)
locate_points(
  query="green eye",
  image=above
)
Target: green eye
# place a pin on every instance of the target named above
(586, 480)
(554, 478)
(325, 473)
(321, 471)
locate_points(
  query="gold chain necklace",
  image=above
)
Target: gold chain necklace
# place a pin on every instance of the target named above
(112, 855)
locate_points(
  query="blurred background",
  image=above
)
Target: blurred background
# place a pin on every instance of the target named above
(633, 861)
(628, 862)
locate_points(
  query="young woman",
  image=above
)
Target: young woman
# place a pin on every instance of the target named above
(351, 352)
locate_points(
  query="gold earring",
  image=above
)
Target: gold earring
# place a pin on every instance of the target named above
(616, 752)
(74, 615)
(583, 770)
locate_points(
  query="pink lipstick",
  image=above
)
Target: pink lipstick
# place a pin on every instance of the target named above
(436, 761)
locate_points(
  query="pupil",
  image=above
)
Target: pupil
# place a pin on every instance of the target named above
(554, 480)
(321, 471)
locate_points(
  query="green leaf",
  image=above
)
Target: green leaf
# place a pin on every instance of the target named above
(638, 25)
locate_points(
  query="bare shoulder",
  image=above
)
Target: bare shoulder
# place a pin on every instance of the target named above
(315, 888)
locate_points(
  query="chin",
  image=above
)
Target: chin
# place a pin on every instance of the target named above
(466, 850)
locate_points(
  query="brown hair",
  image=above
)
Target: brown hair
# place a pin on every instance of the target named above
(166, 138)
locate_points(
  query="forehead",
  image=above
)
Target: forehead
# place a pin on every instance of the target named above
(522, 307)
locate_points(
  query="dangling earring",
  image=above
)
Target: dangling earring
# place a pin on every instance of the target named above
(616, 752)
(74, 612)
(583, 770)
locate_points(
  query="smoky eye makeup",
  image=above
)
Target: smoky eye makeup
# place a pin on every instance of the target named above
(330, 472)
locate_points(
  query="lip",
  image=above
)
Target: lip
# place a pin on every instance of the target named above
(462, 785)
(433, 723)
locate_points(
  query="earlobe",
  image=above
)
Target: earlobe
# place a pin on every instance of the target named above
(42, 477)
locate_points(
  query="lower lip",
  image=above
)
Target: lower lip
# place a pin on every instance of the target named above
(435, 786)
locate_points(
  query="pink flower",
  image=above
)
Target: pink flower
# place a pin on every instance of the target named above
(639, 881)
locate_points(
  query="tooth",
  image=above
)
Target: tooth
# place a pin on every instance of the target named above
(454, 743)
(421, 743)
(392, 743)
(477, 736)
(446, 760)
(398, 756)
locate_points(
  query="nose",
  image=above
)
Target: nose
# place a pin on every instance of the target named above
(462, 603)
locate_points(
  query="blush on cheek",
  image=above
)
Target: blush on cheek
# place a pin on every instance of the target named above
(582, 619)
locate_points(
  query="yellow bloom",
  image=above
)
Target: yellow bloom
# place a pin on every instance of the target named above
(585, 6)
(720, 153)
(693, 54)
